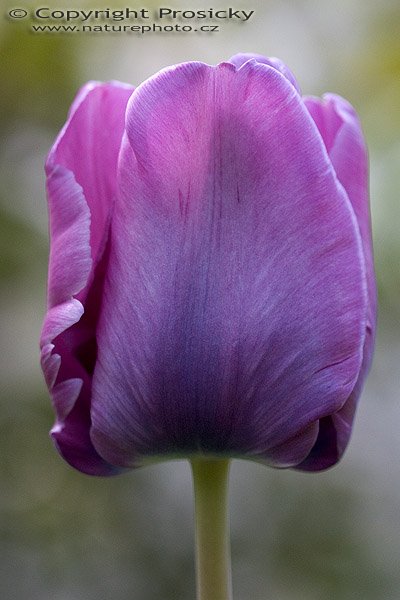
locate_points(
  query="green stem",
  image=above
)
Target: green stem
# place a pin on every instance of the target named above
(213, 568)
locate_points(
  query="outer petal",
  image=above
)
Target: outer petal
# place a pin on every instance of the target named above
(81, 181)
(233, 313)
(89, 145)
(341, 132)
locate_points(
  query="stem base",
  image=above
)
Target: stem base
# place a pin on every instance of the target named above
(213, 563)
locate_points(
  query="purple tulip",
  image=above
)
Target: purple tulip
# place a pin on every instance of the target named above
(211, 284)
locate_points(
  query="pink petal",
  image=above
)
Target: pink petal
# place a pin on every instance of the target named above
(88, 146)
(234, 305)
(341, 132)
(81, 182)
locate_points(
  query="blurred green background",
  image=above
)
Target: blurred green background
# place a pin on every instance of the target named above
(65, 536)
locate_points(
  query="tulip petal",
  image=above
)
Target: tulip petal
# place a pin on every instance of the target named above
(88, 146)
(234, 304)
(341, 132)
(81, 181)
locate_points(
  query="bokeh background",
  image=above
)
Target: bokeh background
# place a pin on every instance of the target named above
(65, 536)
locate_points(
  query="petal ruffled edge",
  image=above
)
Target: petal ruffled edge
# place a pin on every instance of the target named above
(242, 58)
(69, 226)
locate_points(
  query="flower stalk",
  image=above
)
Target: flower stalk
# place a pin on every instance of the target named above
(213, 562)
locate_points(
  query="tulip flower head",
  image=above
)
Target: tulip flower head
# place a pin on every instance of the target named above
(211, 285)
